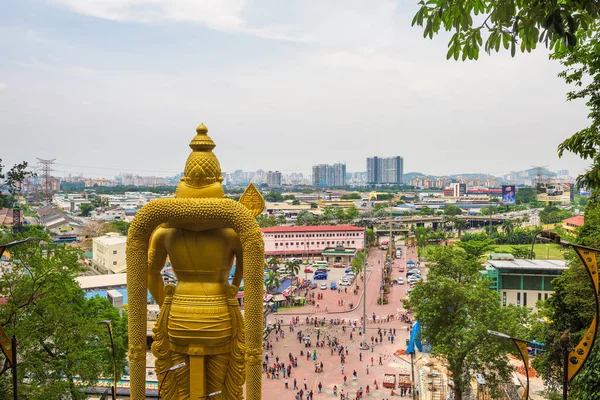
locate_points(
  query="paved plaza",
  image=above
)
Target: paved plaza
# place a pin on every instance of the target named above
(381, 354)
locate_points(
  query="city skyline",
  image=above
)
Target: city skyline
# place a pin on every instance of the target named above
(81, 82)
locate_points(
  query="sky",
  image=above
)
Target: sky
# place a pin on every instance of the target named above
(109, 86)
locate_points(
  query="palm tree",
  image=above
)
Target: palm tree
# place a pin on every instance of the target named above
(459, 225)
(293, 268)
(508, 225)
(272, 281)
(273, 263)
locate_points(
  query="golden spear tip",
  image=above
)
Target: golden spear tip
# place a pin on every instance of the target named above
(201, 129)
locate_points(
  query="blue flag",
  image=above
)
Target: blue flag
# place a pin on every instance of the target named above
(415, 339)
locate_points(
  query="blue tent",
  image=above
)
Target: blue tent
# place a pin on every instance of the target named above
(415, 338)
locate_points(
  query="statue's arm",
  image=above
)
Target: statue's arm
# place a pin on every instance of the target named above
(157, 255)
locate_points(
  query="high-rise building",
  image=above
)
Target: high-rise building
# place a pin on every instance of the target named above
(274, 178)
(329, 175)
(388, 170)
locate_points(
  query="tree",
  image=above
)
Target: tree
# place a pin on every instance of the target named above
(371, 237)
(525, 195)
(358, 263)
(572, 307)
(85, 209)
(120, 226)
(295, 202)
(455, 309)
(570, 28)
(451, 210)
(293, 268)
(328, 215)
(273, 197)
(426, 211)
(508, 24)
(12, 181)
(272, 282)
(352, 213)
(265, 221)
(508, 225)
(477, 248)
(351, 196)
(521, 252)
(57, 328)
(306, 218)
(273, 263)
(459, 225)
(582, 71)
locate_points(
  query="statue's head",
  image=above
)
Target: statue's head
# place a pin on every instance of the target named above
(202, 174)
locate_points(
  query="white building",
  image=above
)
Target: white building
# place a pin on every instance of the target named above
(111, 213)
(109, 253)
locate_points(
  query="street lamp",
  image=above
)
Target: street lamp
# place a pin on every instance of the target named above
(364, 345)
(522, 347)
(108, 324)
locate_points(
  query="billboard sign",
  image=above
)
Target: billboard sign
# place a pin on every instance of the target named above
(508, 194)
(552, 191)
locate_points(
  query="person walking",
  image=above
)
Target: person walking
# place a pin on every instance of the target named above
(286, 383)
(320, 387)
(371, 361)
(305, 384)
(295, 384)
(345, 379)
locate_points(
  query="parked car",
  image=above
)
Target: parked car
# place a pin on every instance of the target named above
(400, 281)
(313, 284)
(347, 270)
(308, 271)
(319, 276)
(282, 270)
(413, 278)
(345, 282)
(333, 285)
(338, 265)
(323, 286)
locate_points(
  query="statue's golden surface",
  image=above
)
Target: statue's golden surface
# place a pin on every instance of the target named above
(200, 322)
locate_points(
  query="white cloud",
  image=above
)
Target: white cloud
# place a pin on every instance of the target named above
(3, 85)
(86, 103)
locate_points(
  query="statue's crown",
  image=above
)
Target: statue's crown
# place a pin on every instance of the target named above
(202, 167)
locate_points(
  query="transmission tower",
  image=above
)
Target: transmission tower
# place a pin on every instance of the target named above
(45, 166)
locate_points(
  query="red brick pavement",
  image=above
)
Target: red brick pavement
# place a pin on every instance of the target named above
(332, 375)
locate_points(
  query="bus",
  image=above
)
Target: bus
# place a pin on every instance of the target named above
(319, 264)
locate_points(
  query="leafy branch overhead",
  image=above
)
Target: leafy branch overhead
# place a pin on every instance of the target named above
(507, 24)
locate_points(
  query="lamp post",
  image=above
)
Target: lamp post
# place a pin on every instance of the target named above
(108, 324)
(364, 344)
(522, 347)
(9, 346)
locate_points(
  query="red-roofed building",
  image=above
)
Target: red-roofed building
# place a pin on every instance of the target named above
(305, 241)
(570, 224)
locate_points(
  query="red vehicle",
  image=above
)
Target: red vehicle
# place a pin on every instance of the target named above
(308, 271)
(338, 265)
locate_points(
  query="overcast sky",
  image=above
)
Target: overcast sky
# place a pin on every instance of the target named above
(106, 86)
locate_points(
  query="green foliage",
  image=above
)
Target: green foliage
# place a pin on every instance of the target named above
(475, 249)
(85, 209)
(553, 214)
(273, 197)
(293, 267)
(272, 282)
(521, 252)
(273, 263)
(306, 218)
(456, 309)
(120, 226)
(572, 307)
(358, 263)
(371, 237)
(296, 202)
(351, 196)
(426, 211)
(507, 24)
(57, 328)
(451, 210)
(265, 221)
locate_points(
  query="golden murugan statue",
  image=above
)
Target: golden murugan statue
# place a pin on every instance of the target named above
(200, 322)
